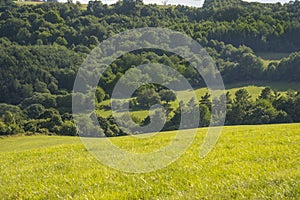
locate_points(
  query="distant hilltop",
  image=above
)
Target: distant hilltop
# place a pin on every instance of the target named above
(224, 3)
(192, 3)
(37, 0)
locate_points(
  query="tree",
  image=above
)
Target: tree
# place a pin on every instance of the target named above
(8, 124)
(17, 113)
(52, 124)
(242, 97)
(61, 41)
(47, 100)
(251, 67)
(34, 111)
(242, 105)
(12, 25)
(68, 128)
(267, 94)
(205, 115)
(147, 97)
(41, 87)
(167, 95)
(131, 6)
(132, 2)
(206, 100)
(49, 113)
(31, 126)
(96, 8)
(53, 17)
(100, 94)
(23, 36)
(4, 129)
(262, 113)
(8, 118)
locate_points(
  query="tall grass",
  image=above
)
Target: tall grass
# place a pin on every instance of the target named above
(248, 162)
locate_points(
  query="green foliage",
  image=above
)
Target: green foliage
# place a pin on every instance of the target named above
(8, 118)
(205, 116)
(8, 125)
(147, 97)
(287, 69)
(14, 110)
(61, 41)
(68, 128)
(4, 129)
(43, 45)
(34, 111)
(53, 17)
(100, 94)
(167, 95)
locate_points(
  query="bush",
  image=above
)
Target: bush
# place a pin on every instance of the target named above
(68, 128)
(34, 111)
(4, 129)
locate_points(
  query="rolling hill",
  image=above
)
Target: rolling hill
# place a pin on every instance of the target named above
(248, 162)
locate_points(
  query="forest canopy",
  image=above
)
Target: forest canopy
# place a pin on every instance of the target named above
(42, 47)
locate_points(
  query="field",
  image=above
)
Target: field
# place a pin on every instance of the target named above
(257, 162)
(269, 57)
(82, 6)
(272, 55)
(27, 2)
(254, 89)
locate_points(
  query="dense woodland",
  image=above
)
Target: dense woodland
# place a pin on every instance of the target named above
(42, 46)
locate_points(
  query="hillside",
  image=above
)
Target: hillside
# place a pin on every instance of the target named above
(247, 162)
(138, 101)
(43, 45)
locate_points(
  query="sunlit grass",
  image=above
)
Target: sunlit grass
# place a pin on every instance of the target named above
(248, 162)
(272, 55)
(269, 57)
(254, 89)
(28, 2)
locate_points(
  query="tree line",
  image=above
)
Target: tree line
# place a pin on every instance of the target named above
(262, 27)
(36, 117)
(51, 69)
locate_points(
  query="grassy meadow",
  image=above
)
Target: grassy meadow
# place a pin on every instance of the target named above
(272, 55)
(28, 2)
(256, 162)
(254, 89)
(269, 57)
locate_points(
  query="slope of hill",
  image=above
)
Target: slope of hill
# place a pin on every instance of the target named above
(247, 162)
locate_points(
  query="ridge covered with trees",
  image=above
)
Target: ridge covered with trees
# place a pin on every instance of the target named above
(42, 47)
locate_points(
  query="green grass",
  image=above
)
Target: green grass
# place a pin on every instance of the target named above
(279, 86)
(254, 88)
(272, 55)
(269, 57)
(35, 142)
(27, 2)
(248, 162)
(82, 6)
